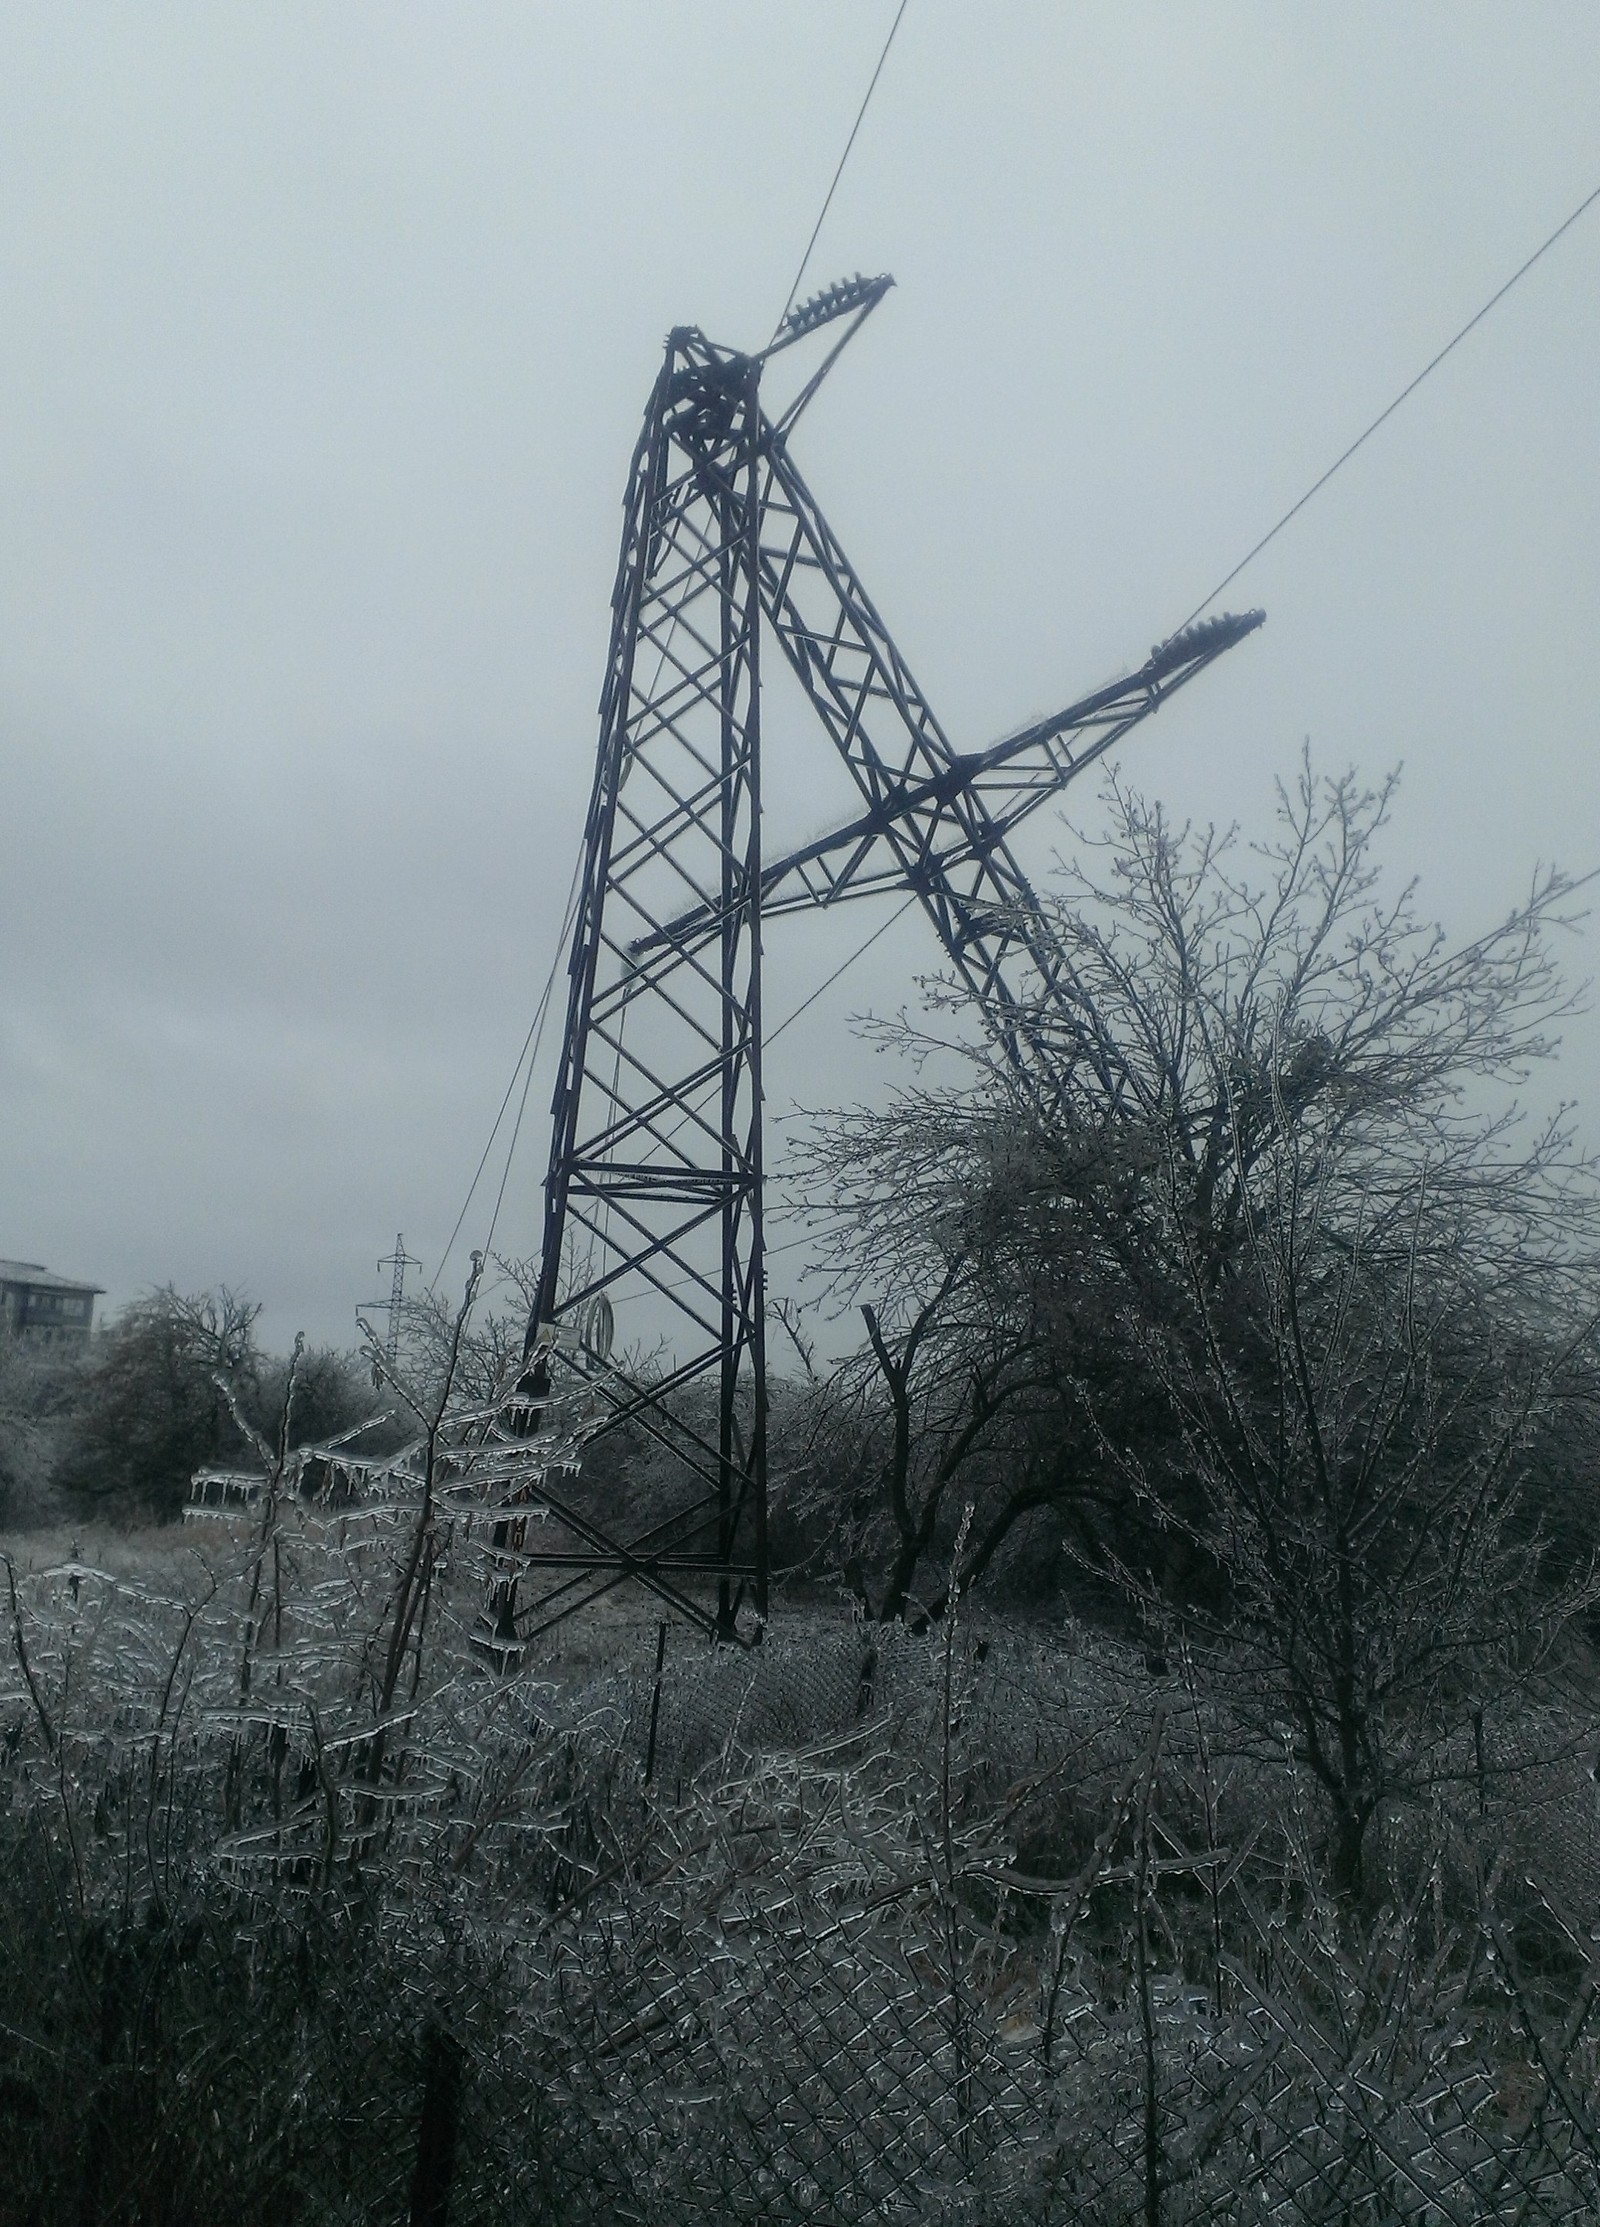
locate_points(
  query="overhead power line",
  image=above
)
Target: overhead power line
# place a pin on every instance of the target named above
(528, 1054)
(827, 199)
(1383, 416)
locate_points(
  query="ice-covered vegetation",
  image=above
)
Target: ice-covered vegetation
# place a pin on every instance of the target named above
(1164, 1792)
(983, 1924)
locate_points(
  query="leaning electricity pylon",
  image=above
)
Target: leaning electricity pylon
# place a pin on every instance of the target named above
(653, 1200)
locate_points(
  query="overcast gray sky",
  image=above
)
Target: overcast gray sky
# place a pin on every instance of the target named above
(324, 336)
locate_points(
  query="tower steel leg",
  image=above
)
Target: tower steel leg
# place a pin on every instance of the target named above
(652, 1230)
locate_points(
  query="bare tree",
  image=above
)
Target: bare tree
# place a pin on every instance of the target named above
(1354, 1425)
(1303, 1297)
(937, 1425)
(475, 1355)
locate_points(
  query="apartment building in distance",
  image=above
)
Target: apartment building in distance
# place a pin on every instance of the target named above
(43, 1307)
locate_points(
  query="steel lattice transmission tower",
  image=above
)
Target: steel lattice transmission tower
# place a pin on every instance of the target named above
(653, 1200)
(397, 1263)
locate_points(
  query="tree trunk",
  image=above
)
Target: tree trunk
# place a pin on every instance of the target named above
(1350, 1822)
(437, 2129)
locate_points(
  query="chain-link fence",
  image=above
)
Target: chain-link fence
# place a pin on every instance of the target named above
(973, 1928)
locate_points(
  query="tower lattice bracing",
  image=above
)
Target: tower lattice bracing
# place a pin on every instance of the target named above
(649, 1306)
(653, 1197)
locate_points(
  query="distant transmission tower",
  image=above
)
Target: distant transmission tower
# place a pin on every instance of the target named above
(397, 1263)
(653, 1197)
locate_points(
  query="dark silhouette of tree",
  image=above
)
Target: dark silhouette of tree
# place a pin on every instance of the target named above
(152, 1410)
(149, 1406)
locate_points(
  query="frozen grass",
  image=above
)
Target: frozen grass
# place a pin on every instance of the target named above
(988, 1924)
(1032, 1692)
(155, 1554)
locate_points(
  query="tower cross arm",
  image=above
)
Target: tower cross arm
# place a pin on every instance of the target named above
(1012, 777)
